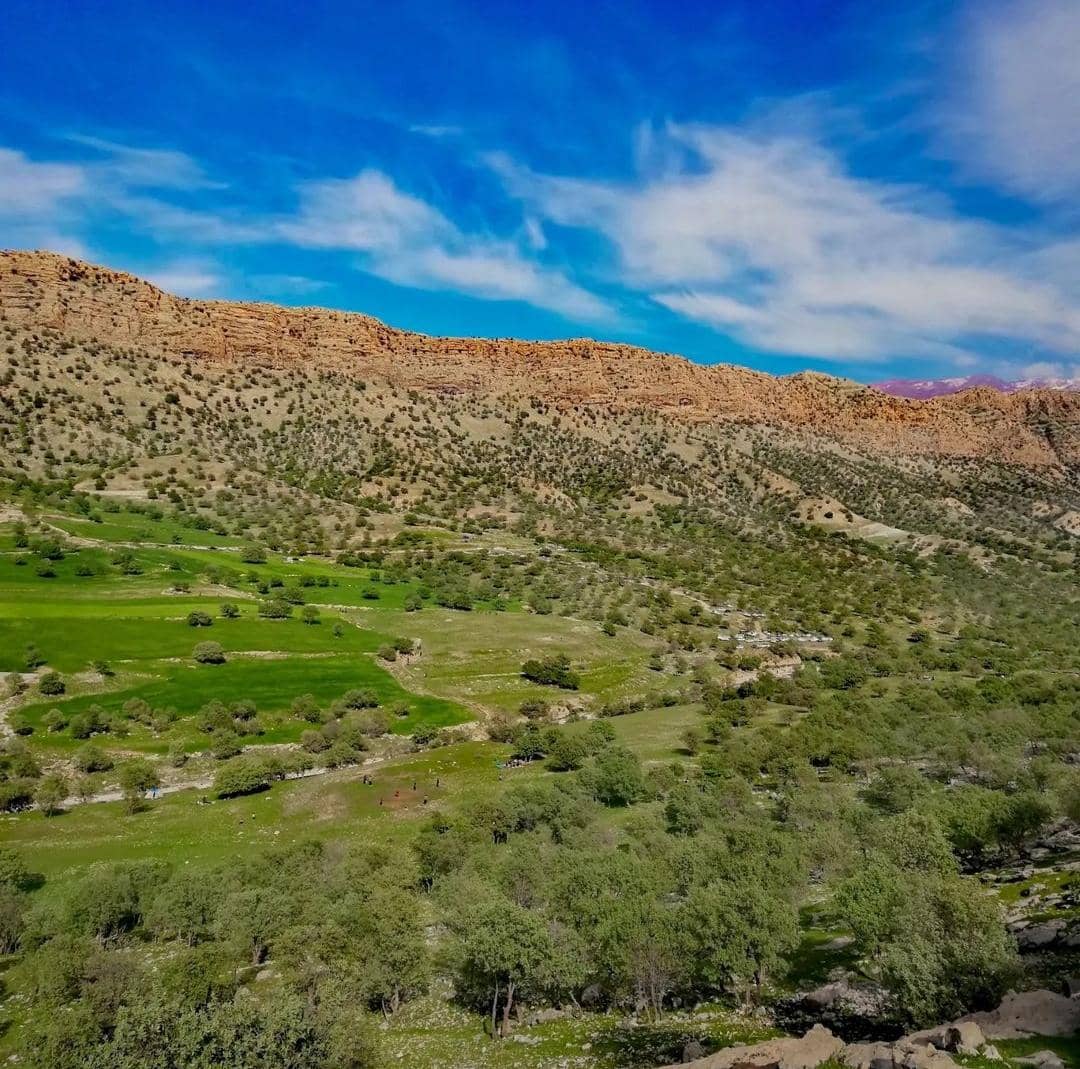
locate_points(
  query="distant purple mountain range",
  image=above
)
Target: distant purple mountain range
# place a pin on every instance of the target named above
(924, 388)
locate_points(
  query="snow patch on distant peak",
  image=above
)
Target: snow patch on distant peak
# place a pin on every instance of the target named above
(925, 388)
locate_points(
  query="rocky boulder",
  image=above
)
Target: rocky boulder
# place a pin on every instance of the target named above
(1028, 1013)
(805, 1052)
(865, 1000)
(693, 1051)
(854, 1011)
(1042, 1059)
(1038, 936)
(903, 1054)
(819, 1045)
(1024, 1014)
(963, 1037)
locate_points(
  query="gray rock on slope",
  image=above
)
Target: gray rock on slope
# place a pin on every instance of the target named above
(805, 1052)
(962, 1037)
(843, 996)
(1042, 1059)
(819, 1045)
(1024, 1014)
(693, 1051)
(1027, 1013)
(903, 1054)
(1036, 936)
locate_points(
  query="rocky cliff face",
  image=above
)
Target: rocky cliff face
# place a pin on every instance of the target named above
(44, 290)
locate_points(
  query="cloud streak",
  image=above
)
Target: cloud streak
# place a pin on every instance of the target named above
(396, 236)
(756, 233)
(1012, 115)
(38, 201)
(771, 239)
(187, 278)
(407, 241)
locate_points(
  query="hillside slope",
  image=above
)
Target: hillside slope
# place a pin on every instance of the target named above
(80, 301)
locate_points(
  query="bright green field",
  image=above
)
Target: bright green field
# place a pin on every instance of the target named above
(270, 683)
(137, 623)
(151, 630)
(653, 734)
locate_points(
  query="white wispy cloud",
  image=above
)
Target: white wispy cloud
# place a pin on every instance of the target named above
(1047, 371)
(51, 204)
(398, 236)
(436, 130)
(39, 202)
(186, 277)
(1011, 114)
(30, 188)
(756, 232)
(770, 238)
(136, 167)
(297, 285)
(410, 242)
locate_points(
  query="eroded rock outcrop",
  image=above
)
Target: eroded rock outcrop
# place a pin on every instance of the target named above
(83, 302)
(795, 1052)
(819, 1046)
(1025, 1014)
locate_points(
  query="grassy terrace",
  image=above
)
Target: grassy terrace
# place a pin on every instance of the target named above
(338, 805)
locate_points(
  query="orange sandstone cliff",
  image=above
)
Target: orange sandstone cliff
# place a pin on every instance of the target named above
(38, 290)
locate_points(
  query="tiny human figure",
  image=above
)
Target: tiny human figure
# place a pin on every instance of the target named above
(425, 799)
(436, 781)
(414, 785)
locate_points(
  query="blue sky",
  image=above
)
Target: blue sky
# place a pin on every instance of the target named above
(866, 189)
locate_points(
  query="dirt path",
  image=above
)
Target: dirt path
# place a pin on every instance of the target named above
(10, 704)
(204, 783)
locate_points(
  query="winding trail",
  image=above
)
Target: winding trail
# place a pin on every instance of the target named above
(204, 783)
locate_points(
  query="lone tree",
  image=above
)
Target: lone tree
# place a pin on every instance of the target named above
(503, 950)
(137, 777)
(50, 795)
(275, 609)
(52, 683)
(209, 653)
(253, 553)
(241, 775)
(552, 671)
